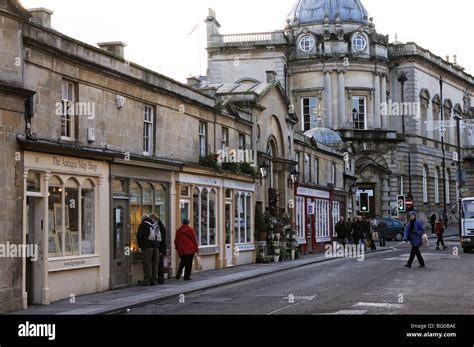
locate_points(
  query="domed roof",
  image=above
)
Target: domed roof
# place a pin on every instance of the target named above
(324, 136)
(314, 11)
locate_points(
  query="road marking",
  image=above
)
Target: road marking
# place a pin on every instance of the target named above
(378, 304)
(306, 298)
(349, 312)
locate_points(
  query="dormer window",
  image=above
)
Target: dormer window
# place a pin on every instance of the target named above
(359, 42)
(307, 43)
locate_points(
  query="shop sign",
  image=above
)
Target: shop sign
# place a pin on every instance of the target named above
(74, 164)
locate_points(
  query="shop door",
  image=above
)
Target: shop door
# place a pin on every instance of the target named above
(228, 235)
(35, 266)
(121, 252)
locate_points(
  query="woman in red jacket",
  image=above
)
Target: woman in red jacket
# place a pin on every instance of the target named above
(439, 231)
(186, 245)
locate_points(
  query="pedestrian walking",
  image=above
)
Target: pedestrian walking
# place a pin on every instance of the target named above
(148, 239)
(382, 229)
(187, 247)
(349, 231)
(433, 222)
(414, 234)
(158, 224)
(341, 231)
(439, 231)
(357, 231)
(373, 235)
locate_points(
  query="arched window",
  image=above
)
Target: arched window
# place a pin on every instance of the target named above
(135, 212)
(436, 185)
(424, 107)
(448, 112)
(272, 152)
(436, 109)
(55, 217)
(88, 220)
(71, 199)
(425, 184)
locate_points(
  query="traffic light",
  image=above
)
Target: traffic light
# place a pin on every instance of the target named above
(364, 203)
(401, 203)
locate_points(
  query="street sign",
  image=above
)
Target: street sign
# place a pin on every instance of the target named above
(409, 203)
(310, 209)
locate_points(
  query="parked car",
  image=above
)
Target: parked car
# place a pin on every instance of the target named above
(395, 228)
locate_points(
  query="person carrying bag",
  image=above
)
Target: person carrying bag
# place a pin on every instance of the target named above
(187, 247)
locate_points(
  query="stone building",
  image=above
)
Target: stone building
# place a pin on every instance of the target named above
(335, 66)
(91, 142)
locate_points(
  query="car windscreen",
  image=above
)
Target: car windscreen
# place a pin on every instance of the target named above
(468, 207)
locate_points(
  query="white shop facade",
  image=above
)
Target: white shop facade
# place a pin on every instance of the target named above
(221, 212)
(66, 216)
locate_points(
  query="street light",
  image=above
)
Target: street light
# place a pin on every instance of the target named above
(402, 79)
(294, 177)
(264, 170)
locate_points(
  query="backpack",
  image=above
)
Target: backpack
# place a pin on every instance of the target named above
(155, 234)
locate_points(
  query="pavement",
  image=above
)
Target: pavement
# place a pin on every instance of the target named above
(125, 299)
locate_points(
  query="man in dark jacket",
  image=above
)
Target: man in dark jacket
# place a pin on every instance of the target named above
(341, 231)
(148, 239)
(414, 233)
(357, 230)
(163, 248)
(186, 245)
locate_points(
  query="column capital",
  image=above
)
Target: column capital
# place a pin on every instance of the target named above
(341, 71)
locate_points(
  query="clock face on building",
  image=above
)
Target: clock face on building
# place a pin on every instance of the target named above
(307, 43)
(359, 42)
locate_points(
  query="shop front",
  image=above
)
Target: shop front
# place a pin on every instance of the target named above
(313, 216)
(136, 191)
(221, 213)
(65, 216)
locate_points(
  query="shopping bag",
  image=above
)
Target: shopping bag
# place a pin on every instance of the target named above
(166, 262)
(197, 263)
(426, 242)
(375, 236)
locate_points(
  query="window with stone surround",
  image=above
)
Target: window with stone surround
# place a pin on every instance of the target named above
(68, 121)
(310, 110)
(148, 130)
(359, 112)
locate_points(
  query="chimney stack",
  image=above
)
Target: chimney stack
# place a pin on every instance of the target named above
(117, 48)
(41, 16)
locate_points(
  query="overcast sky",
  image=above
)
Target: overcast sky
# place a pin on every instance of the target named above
(157, 31)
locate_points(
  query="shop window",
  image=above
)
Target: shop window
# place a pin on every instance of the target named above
(71, 199)
(197, 213)
(135, 212)
(147, 200)
(243, 217)
(212, 218)
(160, 202)
(205, 216)
(33, 182)
(88, 222)
(55, 217)
(248, 218)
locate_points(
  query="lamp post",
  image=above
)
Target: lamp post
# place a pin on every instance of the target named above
(459, 164)
(402, 79)
(445, 209)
